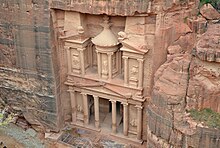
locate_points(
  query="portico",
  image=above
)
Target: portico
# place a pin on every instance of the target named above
(87, 110)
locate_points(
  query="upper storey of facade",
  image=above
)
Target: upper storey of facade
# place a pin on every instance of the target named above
(122, 48)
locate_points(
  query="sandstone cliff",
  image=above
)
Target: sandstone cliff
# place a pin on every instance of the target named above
(27, 79)
(188, 80)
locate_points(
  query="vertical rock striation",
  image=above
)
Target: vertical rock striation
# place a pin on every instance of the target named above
(27, 80)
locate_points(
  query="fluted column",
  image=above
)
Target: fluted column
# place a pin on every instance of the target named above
(85, 109)
(125, 70)
(96, 105)
(139, 122)
(114, 126)
(82, 63)
(110, 65)
(140, 73)
(125, 119)
(73, 105)
(99, 63)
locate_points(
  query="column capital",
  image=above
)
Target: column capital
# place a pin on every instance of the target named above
(124, 103)
(67, 47)
(124, 57)
(83, 93)
(140, 60)
(113, 101)
(81, 49)
(110, 53)
(95, 97)
(139, 106)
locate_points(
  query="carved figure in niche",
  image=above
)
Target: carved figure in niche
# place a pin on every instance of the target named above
(114, 61)
(75, 61)
(133, 122)
(105, 66)
(134, 70)
(79, 108)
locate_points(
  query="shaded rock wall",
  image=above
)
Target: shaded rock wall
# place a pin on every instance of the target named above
(27, 81)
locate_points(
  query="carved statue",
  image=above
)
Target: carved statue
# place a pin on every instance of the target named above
(134, 70)
(133, 122)
(105, 66)
(79, 108)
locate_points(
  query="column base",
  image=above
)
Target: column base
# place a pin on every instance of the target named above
(97, 125)
(122, 137)
(89, 127)
(114, 129)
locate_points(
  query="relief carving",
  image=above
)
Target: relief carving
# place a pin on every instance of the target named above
(133, 122)
(134, 71)
(75, 62)
(79, 108)
(105, 66)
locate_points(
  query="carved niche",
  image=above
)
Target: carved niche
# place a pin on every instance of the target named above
(133, 72)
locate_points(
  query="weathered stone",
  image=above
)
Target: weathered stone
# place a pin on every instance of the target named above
(197, 89)
(31, 132)
(209, 12)
(174, 49)
(26, 70)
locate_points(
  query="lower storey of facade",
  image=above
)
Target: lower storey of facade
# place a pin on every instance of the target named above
(106, 113)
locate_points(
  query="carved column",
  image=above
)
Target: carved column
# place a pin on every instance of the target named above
(119, 62)
(110, 65)
(140, 73)
(139, 122)
(99, 63)
(90, 54)
(68, 59)
(114, 127)
(82, 63)
(85, 108)
(96, 105)
(125, 70)
(125, 119)
(73, 105)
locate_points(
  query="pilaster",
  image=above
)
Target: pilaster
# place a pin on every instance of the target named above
(125, 69)
(140, 72)
(139, 122)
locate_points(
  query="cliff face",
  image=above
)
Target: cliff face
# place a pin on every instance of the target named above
(109, 7)
(30, 80)
(186, 81)
(27, 81)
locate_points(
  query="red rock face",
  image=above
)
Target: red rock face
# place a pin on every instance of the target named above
(109, 7)
(204, 86)
(209, 12)
(185, 82)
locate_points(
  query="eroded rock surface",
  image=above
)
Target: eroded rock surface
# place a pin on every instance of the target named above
(209, 12)
(186, 82)
(204, 87)
(26, 68)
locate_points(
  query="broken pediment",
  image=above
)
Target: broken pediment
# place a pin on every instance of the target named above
(133, 43)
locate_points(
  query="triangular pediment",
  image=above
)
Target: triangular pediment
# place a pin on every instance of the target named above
(103, 89)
